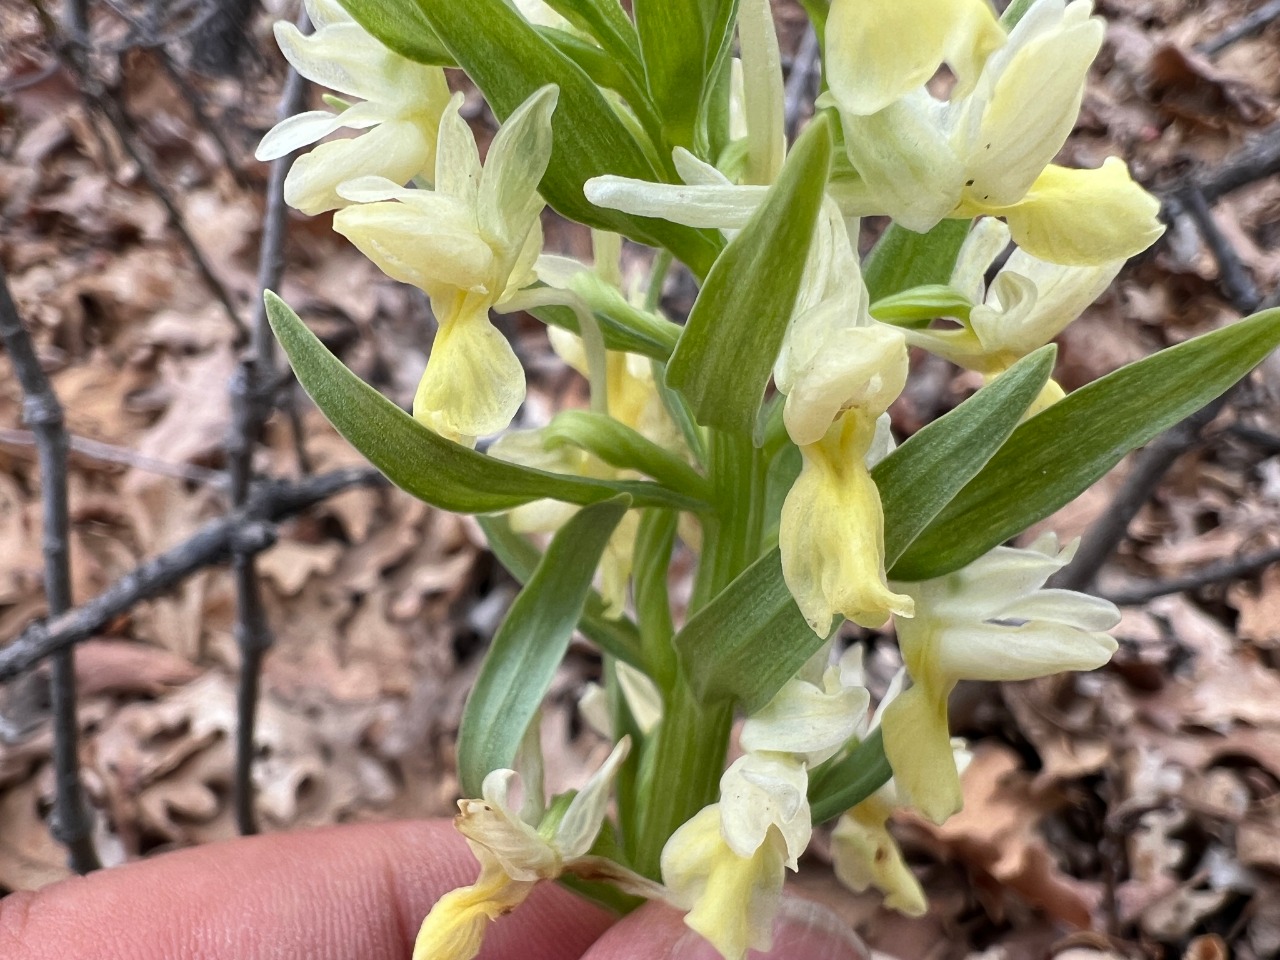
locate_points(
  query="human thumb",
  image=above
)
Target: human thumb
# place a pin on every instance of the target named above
(803, 930)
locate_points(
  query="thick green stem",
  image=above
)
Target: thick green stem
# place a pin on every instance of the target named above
(693, 737)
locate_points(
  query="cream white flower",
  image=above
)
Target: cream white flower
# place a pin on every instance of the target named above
(1028, 304)
(726, 866)
(988, 149)
(516, 850)
(991, 620)
(471, 244)
(401, 109)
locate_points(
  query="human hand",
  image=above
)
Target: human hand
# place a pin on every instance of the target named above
(343, 893)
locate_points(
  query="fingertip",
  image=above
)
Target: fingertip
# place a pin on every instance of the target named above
(355, 891)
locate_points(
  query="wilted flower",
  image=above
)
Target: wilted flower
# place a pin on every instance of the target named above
(516, 849)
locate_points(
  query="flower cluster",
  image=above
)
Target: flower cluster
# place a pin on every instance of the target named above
(936, 110)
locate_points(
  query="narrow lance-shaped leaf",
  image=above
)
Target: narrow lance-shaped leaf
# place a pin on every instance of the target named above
(420, 461)
(509, 60)
(846, 781)
(725, 357)
(530, 643)
(618, 637)
(1056, 455)
(673, 39)
(751, 638)
(400, 26)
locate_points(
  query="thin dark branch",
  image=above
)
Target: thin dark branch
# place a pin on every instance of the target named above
(1233, 277)
(1268, 443)
(110, 453)
(1206, 576)
(77, 64)
(1256, 160)
(77, 19)
(253, 395)
(1246, 26)
(249, 529)
(1148, 470)
(800, 82)
(43, 414)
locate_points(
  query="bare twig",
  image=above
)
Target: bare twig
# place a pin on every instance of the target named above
(110, 453)
(1232, 275)
(1256, 160)
(799, 92)
(1206, 576)
(77, 18)
(250, 528)
(253, 394)
(77, 64)
(1242, 28)
(43, 413)
(1268, 443)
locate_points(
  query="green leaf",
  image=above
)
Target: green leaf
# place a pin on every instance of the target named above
(509, 61)
(673, 38)
(625, 328)
(619, 637)
(902, 259)
(619, 446)
(723, 361)
(921, 477)
(401, 27)
(751, 638)
(1058, 454)
(917, 306)
(845, 782)
(606, 21)
(655, 540)
(1015, 12)
(422, 462)
(530, 643)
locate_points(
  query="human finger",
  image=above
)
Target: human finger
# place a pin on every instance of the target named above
(332, 894)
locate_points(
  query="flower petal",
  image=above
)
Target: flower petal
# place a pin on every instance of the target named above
(880, 50)
(917, 743)
(428, 243)
(293, 133)
(864, 854)
(1039, 648)
(1085, 217)
(763, 792)
(508, 203)
(731, 900)
(397, 150)
(577, 830)
(455, 927)
(723, 207)
(473, 384)
(807, 720)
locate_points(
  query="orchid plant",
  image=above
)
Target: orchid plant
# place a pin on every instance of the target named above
(754, 437)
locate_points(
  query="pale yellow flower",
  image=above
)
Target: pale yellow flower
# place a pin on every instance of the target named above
(401, 109)
(730, 899)
(471, 243)
(991, 620)
(1027, 305)
(986, 150)
(727, 865)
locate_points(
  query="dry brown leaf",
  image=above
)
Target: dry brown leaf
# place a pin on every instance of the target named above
(997, 833)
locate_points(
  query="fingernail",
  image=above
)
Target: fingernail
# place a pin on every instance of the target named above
(802, 929)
